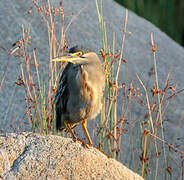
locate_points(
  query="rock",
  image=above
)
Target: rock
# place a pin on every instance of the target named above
(85, 30)
(33, 156)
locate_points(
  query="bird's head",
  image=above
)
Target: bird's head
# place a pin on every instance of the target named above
(78, 55)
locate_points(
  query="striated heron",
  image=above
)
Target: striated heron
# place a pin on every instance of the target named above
(80, 90)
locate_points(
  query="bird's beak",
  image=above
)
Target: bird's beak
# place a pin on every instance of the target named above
(73, 58)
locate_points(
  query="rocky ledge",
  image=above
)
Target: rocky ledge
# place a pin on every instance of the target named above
(33, 156)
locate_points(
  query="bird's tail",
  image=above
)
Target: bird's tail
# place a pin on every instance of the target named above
(60, 126)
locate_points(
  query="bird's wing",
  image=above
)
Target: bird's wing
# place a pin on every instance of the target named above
(61, 97)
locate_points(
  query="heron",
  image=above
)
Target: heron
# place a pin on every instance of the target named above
(80, 90)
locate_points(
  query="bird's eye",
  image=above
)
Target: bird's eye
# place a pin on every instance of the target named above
(80, 53)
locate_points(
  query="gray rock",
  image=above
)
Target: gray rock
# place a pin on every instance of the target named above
(85, 30)
(32, 156)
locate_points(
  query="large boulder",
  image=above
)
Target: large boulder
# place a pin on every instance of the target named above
(32, 156)
(85, 30)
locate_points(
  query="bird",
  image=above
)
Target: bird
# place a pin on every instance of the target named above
(80, 90)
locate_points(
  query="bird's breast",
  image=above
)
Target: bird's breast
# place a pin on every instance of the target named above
(85, 97)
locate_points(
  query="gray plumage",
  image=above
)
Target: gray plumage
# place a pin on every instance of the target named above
(80, 89)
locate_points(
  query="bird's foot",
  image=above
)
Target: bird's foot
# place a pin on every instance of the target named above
(86, 145)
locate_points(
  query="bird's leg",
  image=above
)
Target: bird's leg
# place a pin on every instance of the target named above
(70, 130)
(84, 126)
(73, 135)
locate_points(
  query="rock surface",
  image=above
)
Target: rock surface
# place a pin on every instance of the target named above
(85, 30)
(32, 156)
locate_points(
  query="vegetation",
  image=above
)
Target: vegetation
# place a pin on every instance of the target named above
(149, 151)
(166, 14)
